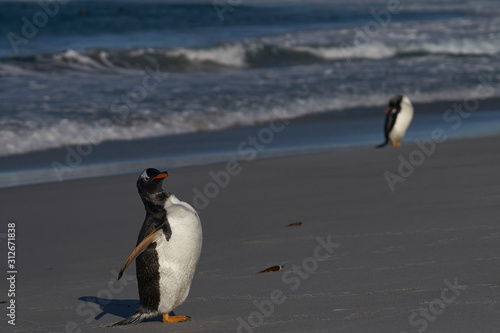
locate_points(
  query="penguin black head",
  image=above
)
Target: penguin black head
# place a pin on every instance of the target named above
(150, 182)
(394, 103)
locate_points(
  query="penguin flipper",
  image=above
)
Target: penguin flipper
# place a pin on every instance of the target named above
(390, 120)
(140, 248)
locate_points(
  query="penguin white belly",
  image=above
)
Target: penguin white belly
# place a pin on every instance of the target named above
(401, 125)
(178, 256)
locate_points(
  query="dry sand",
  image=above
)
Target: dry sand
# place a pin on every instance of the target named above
(393, 253)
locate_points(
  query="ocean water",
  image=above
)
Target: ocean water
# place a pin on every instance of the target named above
(78, 71)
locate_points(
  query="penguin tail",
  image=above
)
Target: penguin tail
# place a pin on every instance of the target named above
(382, 144)
(136, 318)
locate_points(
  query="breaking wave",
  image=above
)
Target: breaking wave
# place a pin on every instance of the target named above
(39, 134)
(238, 55)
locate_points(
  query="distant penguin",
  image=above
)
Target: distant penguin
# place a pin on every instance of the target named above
(167, 252)
(398, 118)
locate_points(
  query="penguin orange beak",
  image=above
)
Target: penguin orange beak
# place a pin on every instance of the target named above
(387, 110)
(161, 175)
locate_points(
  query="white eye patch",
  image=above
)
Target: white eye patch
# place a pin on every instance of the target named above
(144, 175)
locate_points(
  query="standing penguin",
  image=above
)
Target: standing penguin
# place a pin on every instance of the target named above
(398, 119)
(167, 252)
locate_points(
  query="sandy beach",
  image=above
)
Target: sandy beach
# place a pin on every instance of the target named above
(424, 257)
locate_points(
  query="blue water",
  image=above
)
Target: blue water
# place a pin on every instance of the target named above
(106, 71)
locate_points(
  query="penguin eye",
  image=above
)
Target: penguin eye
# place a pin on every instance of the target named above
(146, 178)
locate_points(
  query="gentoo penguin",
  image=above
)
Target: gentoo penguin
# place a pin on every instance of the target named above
(398, 119)
(167, 252)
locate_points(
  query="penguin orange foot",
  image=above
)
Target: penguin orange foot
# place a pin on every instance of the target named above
(175, 319)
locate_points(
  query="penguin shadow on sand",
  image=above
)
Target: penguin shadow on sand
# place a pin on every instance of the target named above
(121, 308)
